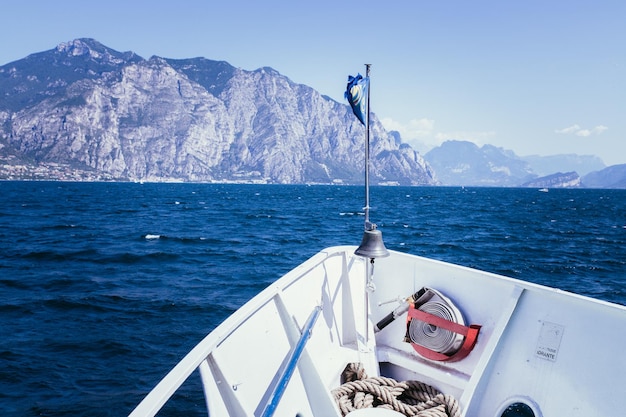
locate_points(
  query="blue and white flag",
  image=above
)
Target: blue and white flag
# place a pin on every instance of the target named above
(356, 93)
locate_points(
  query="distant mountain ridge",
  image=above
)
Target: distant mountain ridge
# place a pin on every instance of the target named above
(609, 177)
(465, 163)
(546, 165)
(114, 115)
(557, 180)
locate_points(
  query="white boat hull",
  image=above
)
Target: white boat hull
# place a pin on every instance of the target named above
(557, 352)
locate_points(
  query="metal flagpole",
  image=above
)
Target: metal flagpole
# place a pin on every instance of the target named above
(372, 245)
(368, 225)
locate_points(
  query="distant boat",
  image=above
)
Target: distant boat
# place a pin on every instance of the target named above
(543, 190)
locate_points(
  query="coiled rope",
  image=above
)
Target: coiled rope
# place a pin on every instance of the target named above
(411, 398)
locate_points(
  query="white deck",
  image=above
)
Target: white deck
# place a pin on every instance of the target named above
(560, 353)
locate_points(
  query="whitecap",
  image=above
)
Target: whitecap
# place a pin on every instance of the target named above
(152, 237)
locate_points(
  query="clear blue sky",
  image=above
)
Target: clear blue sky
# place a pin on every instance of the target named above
(534, 76)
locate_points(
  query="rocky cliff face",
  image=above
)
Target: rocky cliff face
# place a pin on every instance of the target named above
(88, 107)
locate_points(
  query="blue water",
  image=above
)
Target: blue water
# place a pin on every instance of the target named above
(104, 287)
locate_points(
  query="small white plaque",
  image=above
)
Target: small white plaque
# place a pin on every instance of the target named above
(549, 341)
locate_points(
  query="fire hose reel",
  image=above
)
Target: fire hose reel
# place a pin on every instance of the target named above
(436, 328)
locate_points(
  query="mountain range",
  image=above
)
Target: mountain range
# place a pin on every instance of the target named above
(83, 111)
(88, 110)
(465, 163)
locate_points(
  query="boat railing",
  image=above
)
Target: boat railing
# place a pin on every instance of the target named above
(197, 358)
